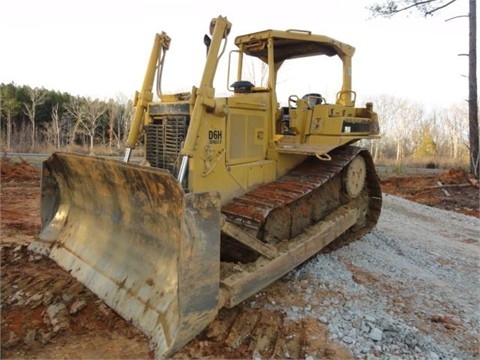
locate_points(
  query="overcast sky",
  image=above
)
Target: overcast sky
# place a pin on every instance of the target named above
(100, 48)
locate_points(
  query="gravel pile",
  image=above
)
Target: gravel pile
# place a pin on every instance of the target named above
(412, 296)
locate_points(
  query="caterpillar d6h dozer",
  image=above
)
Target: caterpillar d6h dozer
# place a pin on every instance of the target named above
(239, 189)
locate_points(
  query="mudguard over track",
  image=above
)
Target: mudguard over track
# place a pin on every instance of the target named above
(132, 236)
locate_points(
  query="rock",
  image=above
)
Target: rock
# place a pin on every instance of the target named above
(34, 257)
(323, 319)
(365, 329)
(77, 306)
(367, 345)
(47, 298)
(388, 325)
(376, 334)
(44, 337)
(357, 322)
(67, 298)
(29, 338)
(58, 317)
(105, 310)
(412, 341)
(35, 299)
(18, 298)
(256, 356)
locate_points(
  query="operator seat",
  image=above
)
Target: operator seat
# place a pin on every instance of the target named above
(242, 87)
(313, 99)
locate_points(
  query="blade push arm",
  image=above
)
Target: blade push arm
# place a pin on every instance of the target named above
(142, 99)
(219, 29)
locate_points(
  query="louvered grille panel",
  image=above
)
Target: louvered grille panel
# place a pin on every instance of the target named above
(163, 141)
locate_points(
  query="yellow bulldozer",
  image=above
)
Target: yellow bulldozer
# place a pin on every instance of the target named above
(235, 191)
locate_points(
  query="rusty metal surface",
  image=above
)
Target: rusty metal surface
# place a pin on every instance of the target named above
(132, 236)
(252, 209)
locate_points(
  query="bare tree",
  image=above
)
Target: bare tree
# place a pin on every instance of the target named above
(9, 106)
(76, 110)
(125, 121)
(407, 118)
(52, 131)
(56, 126)
(398, 119)
(94, 110)
(87, 114)
(389, 8)
(383, 105)
(9, 130)
(37, 97)
(113, 110)
(453, 130)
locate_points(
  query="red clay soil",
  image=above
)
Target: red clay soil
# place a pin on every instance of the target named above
(18, 171)
(452, 190)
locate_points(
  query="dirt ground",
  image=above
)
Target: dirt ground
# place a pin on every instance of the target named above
(452, 190)
(46, 314)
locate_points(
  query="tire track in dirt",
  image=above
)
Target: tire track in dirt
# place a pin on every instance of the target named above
(260, 333)
(44, 309)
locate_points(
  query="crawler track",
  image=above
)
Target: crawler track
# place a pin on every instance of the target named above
(284, 208)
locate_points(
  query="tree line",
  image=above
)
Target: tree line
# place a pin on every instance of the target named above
(409, 132)
(38, 119)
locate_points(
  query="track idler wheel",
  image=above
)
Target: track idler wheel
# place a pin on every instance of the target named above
(354, 177)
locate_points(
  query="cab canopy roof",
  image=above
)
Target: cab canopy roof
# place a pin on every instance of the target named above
(291, 44)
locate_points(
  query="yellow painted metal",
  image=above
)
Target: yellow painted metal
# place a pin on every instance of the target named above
(205, 93)
(145, 96)
(255, 44)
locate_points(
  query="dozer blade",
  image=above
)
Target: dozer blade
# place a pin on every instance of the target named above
(132, 236)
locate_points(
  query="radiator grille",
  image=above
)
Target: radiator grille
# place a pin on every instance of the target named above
(163, 141)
